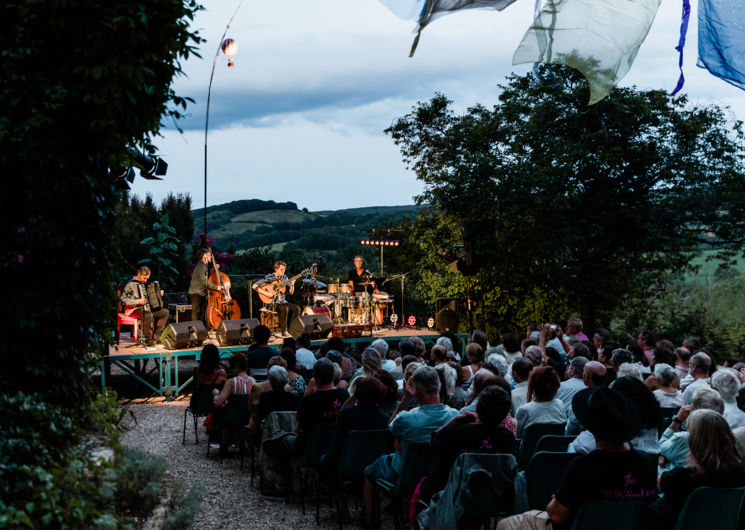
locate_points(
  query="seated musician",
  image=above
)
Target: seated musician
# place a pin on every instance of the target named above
(266, 286)
(360, 275)
(199, 285)
(134, 296)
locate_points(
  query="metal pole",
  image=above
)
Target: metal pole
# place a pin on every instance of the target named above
(207, 114)
(381, 260)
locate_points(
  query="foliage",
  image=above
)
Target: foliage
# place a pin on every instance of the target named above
(82, 84)
(581, 204)
(163, 251)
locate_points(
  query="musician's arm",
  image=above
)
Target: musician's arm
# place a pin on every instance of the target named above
(131, 295)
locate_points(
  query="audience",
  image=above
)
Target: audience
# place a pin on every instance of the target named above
(727, 383)
(542, 405)
(304, 356)
(574, 381)
(521, 370)
(296, 382)
(448, 377)
(209, 371)
(278, 398)
(475, 357)
(661, 383)
(700, 366)
(259, 352)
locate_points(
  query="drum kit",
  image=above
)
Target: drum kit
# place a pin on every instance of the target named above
(344, 306)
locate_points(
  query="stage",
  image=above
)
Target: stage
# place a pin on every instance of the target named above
(131, 357)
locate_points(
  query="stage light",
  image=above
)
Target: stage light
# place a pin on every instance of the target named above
(412, 320)
(430, 323)
(230, 48)
(394, 318)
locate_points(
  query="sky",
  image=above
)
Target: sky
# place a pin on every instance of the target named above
(301, 115)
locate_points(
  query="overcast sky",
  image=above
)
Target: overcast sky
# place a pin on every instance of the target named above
(301, 115)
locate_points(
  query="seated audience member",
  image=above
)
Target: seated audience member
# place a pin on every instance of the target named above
(296, 381)
(674, 441)
(395, 356)
(408, 348)
(574, 381)
(498, 364)
(479, 337)
(420, 349)
(580, 350)
(470, 433)
(278, 398)
(625, 339)
(527, 343)
(447, 387)
(682, 368)
(574, 329)
(389, 401)
(521, 370)
(555, 361)
(511, 348)
(475, 356)
(593, 376)
(646, 341)
(700, 365)
(209, 371)
(612, 471)
(665, 344)
(553, 337)
(262, 386)
(692, 344)
(619, 357)
(535, 355)
(629, 370)
(259, 352)
(713, 461)
(442, 341)
(382, 348)
(370, 366)
(239, 384)
(408, 427)
(438, 354)
(361, 413)
(542, 405)
(479, 382)
(727, 383)
(639, 359)
(304, 356)
(662, 356)
(661, 385)
(459, 391)
(646, 439)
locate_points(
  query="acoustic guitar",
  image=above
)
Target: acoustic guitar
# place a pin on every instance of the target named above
(269, 291)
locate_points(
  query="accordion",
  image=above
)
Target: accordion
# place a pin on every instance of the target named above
(153, 297)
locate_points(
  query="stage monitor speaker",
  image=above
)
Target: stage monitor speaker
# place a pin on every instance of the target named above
(231, 332)
(452, 303)
(318, 325)
(446, 320)
(180, 335)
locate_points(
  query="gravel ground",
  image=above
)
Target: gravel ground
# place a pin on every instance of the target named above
(229, 499)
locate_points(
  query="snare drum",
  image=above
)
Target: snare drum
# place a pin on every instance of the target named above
(382, 298)
(325, 299)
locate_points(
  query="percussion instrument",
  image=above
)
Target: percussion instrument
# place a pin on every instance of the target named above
(315, 284)
(325, 299)
(338, 288)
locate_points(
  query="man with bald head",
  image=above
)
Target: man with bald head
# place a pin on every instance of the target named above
(593, 375)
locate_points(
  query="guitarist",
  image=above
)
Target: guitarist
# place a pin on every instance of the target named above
(266, 286)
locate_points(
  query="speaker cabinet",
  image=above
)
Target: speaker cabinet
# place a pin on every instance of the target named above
(231, 332)
(318, 325)
(180, 335)
(446, 318)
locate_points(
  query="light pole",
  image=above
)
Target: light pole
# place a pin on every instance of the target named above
(229, 47)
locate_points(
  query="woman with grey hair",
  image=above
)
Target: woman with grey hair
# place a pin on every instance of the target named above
(726, 381)
(448, 377)
(661, 385)
(448, 345)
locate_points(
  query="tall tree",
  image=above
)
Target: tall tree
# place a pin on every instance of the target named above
(579, 203)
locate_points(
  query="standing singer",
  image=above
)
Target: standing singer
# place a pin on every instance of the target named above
(135, 298)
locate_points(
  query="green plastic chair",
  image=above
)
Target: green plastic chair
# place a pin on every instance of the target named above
(417, 461)
(360, 449)
(315, 447)
(544, 476)
(719, 508)
(200, 405)
(531, 436)
(609, 515)
(235, 417)
(553, 443)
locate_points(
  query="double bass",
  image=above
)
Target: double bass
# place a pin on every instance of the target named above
(220, 306)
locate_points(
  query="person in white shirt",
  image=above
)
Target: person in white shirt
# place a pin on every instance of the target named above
(700, 365)
(542, 405)
(382, 346)
(726, 381)
(521, 370)
(661, 385)
(304, 356)
(574, 382)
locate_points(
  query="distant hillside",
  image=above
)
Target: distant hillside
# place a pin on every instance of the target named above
(253, 223)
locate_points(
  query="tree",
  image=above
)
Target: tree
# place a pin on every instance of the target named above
(580, 204)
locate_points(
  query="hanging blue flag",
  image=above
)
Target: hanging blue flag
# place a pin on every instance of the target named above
(721, 39)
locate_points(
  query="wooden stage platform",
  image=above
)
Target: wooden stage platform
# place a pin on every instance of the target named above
(128, 357)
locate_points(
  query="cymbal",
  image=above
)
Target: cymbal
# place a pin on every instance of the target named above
(315, 283)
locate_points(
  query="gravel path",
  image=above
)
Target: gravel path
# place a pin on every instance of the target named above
(229, 499)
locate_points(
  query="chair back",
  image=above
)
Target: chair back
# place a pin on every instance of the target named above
(708, 507)
(200, 402)
(236, 413)
(609, 515)
(485, 498)
(361, 448)
(417, 462)
(544, 476)
(553, 443)
(317, 443)
(531, 436)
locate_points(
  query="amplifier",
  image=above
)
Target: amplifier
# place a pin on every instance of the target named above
(352, 331)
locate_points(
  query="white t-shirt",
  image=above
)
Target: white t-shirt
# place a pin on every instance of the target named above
(306, 358)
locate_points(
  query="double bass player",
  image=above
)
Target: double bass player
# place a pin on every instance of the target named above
(199, 284)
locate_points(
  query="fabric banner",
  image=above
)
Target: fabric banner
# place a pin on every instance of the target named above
(405, 9)
(434, 9)
(600, 38)
(721, 39)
